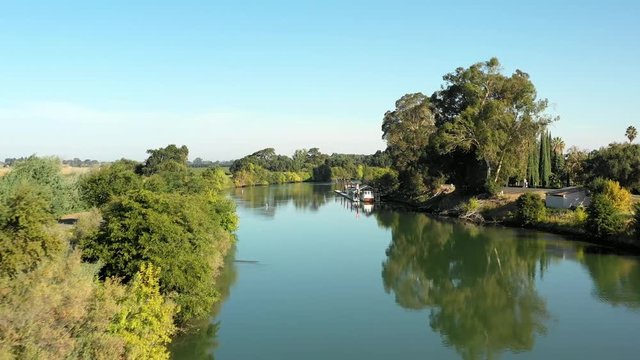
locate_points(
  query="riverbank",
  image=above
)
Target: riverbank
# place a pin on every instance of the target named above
(499, 210)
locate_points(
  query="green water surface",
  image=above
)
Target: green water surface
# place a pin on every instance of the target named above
(314, 277)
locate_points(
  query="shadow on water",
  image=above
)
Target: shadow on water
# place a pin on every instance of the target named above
(199, 339)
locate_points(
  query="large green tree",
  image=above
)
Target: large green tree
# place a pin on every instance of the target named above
(169, 158)
(185, 235)
(407, 130)
(619, 162)
(545, 159)
(491, 115)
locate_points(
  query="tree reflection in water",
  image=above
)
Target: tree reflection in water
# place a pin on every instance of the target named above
(479, 287)
(265, 200)
(616, 279)
(200, 338)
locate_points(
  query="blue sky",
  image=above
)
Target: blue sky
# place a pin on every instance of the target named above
(110, 79)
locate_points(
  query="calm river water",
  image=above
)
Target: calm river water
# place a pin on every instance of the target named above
(313, 277)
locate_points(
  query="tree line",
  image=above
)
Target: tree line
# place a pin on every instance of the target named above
(142, 262)
(266, 167)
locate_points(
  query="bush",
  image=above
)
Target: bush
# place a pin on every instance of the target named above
(636, 221)
(580, 215)
(100, 186)
(620, 196)
(472, 206)
(604, 218)
(530, 209)
(24, 221)
(146, 319)
(387, 183)
(185, 235)
(45, 175)
(59, 311)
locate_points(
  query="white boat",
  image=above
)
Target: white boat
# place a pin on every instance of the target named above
(356, 193)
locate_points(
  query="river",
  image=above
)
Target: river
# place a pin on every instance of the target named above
(313, 277)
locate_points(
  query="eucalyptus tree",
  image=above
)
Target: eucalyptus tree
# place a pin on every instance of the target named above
(407, 130)
(490, 115)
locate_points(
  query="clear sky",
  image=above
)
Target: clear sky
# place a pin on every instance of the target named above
(110, 79)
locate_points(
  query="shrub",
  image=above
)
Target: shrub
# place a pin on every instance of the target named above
(620, 196)
(636, 221)
(24, 239)
(98, 187)
(86, 227)
(471, 206)
(530, 209)
(146, 319)
(59, 311)
(604, 218)
(44, 174)
(580, 215)
(183, 235)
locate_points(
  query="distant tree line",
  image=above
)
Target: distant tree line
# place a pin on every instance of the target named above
(199, 163)
(266, 167)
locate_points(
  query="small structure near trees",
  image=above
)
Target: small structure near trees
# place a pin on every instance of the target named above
(566, 198)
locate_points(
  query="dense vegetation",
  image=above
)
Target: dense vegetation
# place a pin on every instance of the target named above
(142, 262)
(477, 132)
(484, 130)
(266, 167)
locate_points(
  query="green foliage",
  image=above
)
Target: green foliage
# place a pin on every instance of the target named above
(86, 227)
(407, 130)
(471, 206)
(636, 220)
(619, 162)
(387, 183)
(59, 311)
(533, 166)
(476, 132)
(44, 174)
(491, 115)
(557, 162)
(631, 133)
(145, 321)
(580, 215)
(604, 219)
(575, 162)
(322, 173)
(545, 159)
(98, 187)
(185, 235)
(620, 196)
(170, 159)
(215, 179)
(530, 209)
(24, 239)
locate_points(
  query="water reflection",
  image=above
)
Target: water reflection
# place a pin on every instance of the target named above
(200, 339)
(616, 279)
(478, 286)
(265, 200)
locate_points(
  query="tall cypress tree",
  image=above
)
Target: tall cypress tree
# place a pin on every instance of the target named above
(545, 160)
(533, 174)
